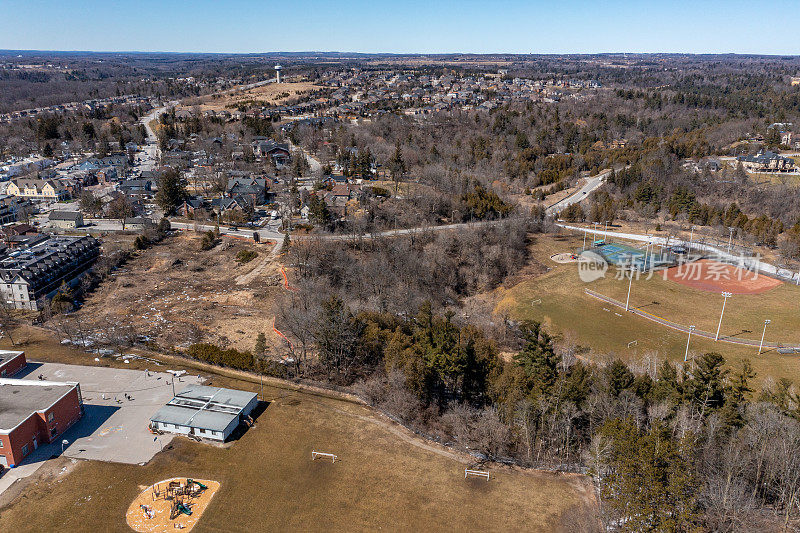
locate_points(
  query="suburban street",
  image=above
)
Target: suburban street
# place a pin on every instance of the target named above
(148, 155)
(592, 184)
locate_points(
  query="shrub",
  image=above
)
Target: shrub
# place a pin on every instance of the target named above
(164, 225)
(210, 353)
(141, 242)
(381, 191)
(208, 241)
(245, 256)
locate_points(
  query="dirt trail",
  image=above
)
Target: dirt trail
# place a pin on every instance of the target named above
(244, 279)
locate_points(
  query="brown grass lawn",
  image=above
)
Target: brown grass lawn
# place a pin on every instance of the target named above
(566, 308)
(385, 478)
(271, 93)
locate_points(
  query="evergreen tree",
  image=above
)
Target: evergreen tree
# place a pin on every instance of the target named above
(171, 191)
(538, 359)
(397, 167)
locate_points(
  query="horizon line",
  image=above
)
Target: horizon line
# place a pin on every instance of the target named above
(396, 54)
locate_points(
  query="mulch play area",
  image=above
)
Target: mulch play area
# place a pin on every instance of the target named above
(172, 504)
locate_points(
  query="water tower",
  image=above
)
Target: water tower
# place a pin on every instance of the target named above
(278, 73)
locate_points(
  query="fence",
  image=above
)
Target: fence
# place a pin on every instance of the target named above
(681, 327)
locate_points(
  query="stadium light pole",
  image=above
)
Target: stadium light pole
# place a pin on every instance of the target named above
(725, 296)
(595, 230)
(761, 345)
(730, 239)
(630, 284)
(584, 238)
(691, 238)
(686, 355)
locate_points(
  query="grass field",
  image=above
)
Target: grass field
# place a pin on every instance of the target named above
(608, 330)
(385, 478)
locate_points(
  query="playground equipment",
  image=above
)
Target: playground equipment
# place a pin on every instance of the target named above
(191, 482)
(178, 507)
(315, 455)
(476, 473)
(176, 503)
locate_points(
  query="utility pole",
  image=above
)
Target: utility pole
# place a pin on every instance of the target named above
(686, 355)
(761, 345)
(725, 296)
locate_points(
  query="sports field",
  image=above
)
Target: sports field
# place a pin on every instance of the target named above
(608, 330)
(713, 276)
(385, 478)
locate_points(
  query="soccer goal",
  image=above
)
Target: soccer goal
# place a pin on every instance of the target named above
(315, 455)
(476, 473)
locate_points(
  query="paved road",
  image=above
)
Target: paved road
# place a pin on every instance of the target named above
(110, 225)
(313, 163)
(582, 194)
(149, 154)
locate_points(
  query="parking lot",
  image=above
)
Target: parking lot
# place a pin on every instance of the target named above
(118, 404)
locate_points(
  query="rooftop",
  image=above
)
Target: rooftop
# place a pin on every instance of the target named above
(200, 406)
(20, 398)
(7, 355)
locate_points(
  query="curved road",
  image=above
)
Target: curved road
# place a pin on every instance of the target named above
(592, 184)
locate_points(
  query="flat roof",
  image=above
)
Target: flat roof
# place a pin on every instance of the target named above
(8, 355)
(20, 398)
(203, 407)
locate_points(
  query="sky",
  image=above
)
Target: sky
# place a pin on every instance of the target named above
(411, 26)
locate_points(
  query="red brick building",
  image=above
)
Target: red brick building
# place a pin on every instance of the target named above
(11, 363)
(33, 413)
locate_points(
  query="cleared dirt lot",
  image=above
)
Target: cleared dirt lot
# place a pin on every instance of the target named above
(271, 93)
(175, 294)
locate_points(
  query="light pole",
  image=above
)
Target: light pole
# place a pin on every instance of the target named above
(767, 321)
(686, 355)
(584, 238)
(595, 231)
(725, 296)
(730, 239)
(630, 283)
(691, 238)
